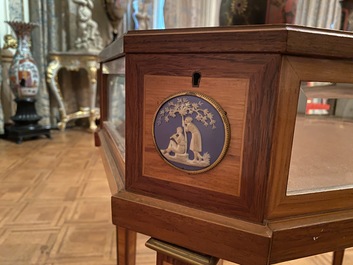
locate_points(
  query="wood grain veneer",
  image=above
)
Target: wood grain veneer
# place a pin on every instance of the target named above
(191, 228)
(261, 71)
(284, 39)
(235, 107)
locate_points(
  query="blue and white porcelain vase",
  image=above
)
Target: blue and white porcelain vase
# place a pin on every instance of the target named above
(23, 72)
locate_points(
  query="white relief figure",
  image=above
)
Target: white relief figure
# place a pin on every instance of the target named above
(87, 29)
(177, 143)
(195, 141)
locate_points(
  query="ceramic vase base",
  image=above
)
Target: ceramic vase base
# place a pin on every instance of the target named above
(26, 122)
(20, 133)
(26, 113)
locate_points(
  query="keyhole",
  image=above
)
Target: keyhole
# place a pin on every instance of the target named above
(196, 78)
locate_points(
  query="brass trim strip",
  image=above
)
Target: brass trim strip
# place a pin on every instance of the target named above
(180, 253)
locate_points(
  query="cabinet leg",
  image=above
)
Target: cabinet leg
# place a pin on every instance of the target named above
(126, 246)
(338, 257)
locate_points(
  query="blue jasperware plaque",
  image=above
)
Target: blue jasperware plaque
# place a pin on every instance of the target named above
(191, 132)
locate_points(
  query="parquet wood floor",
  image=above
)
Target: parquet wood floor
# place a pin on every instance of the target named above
(55, 205)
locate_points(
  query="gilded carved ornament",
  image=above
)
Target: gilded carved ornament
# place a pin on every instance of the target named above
(10, 42)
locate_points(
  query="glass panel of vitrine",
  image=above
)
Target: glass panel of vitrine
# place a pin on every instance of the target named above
(322, 153)
(115, 74)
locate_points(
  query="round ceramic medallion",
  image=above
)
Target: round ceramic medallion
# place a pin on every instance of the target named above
(191, 132)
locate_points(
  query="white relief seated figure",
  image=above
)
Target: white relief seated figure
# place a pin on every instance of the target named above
(177, 143)
(195, 142)
(87, 29)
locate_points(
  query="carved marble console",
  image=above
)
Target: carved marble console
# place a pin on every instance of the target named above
(74, 61)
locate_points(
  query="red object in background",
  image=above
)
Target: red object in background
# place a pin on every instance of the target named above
(316, 106)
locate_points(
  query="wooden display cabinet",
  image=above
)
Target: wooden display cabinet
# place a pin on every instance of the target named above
(266, 175)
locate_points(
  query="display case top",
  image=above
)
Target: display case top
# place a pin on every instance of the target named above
(286, 39)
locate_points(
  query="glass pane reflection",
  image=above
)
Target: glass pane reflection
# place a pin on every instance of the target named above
(116, 108)
(322, 154)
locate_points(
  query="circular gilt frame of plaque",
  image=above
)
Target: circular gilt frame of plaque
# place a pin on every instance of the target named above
(191, 132)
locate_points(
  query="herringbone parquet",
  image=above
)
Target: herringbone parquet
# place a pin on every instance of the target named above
(55, 205)
(55, 202)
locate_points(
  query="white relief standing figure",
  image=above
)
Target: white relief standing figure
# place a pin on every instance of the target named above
(196, 141)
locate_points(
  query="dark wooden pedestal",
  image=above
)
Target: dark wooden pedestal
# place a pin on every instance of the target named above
(26, 122)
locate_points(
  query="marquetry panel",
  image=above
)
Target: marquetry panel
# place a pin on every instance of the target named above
(13, 192)
(7, 162)
(91, 211)
(5, 211)
(45, 205)
(39, 214)
(245, 85)
(23, 246)
(84, 241)
(24, 176)
(39, 162)
(76, 175)
(68, 163)
(226, 176)
(56, 191)
(95, 189)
